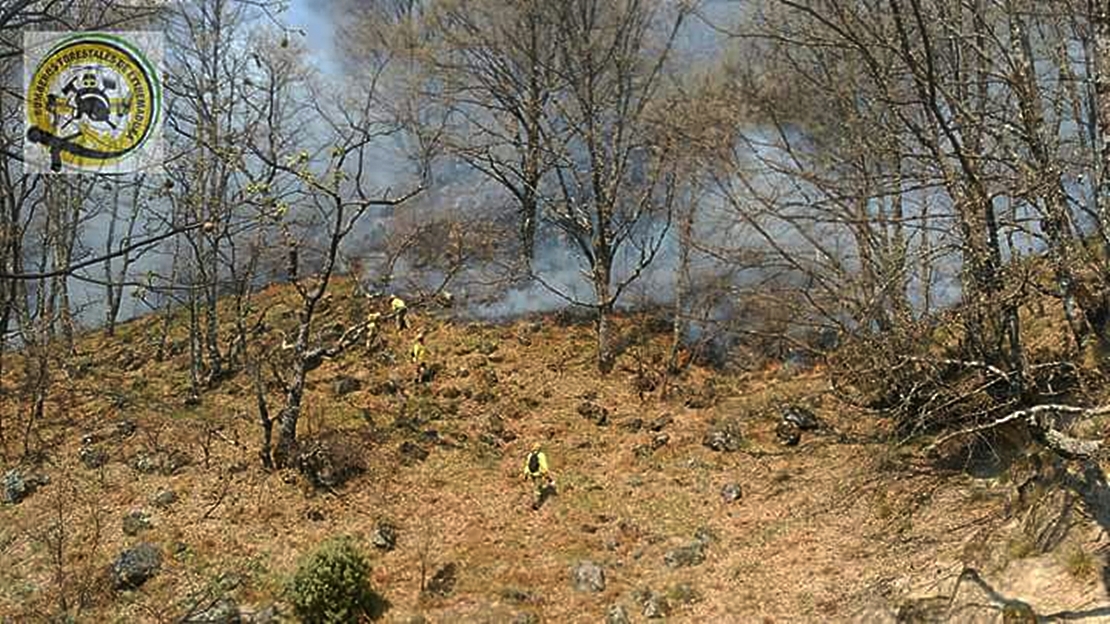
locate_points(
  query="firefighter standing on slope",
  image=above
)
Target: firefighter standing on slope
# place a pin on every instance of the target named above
(419, 356)
(535, 469)
(372, 329)
(399, 310)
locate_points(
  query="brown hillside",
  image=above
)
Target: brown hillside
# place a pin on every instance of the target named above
(843, 527)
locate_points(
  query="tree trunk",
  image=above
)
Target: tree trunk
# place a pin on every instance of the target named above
(291, 411)
(604, 310)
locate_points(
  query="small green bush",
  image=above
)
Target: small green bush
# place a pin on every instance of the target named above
(333, 585)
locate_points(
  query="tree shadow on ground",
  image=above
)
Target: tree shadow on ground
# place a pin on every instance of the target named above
(1094, 490)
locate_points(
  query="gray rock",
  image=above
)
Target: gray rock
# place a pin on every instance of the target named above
(659, 423)
(656, 607)
(135, 522)
(632, 425)
(800, 416)
(164, 498)
(788, 433)
(223, 611)
(659, 440)
(526, 618)
(689, 555)
(135, 566)
(587, 576)
(617, 615)
(594, 413)
(443, 581)
(344, 385)
(18, 485)
(731, 493)
(92, 457)
(724, 437)
(384, 536)
(162, 462)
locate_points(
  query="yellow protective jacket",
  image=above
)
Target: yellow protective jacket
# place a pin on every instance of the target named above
(419, 352)
(541, 459)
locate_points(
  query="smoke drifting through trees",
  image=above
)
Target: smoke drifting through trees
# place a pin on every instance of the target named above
(784, 171)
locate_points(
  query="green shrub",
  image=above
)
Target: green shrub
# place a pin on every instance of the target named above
(333, 585)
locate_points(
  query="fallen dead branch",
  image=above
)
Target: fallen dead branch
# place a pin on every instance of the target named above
(1041, 419)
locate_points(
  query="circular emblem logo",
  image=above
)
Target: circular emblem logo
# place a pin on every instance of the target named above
(92, 100)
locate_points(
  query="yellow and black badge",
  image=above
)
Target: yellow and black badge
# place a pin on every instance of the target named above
(92, 101)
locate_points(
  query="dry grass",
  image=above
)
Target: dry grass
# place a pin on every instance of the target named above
(818, 528)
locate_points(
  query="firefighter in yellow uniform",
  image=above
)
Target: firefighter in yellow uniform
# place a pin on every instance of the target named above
(419, 357)
(535, 469)
(372, 329)
(399, 310)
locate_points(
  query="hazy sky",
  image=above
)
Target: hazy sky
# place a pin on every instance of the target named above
(312, 17)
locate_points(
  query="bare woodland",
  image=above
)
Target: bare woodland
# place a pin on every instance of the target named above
(899, 189)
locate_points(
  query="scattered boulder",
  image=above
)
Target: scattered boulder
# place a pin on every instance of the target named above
(632, 425)
(617, 615)
(344, 385)
(788, 433)
(92, 457)
(164, 498)
(801, 416)
(223, 611)
(724, 436)
(657, 424)
(166, 463)
(686, 556)
(658, 441)
(656, 607)
(443, 581)
(587, 576)
(594, 413)
(731, 493)
(526, 618)
(18, 485)
(412, 453)
(135, 566)
(329, 461)
(135, 521)
(384, 536)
